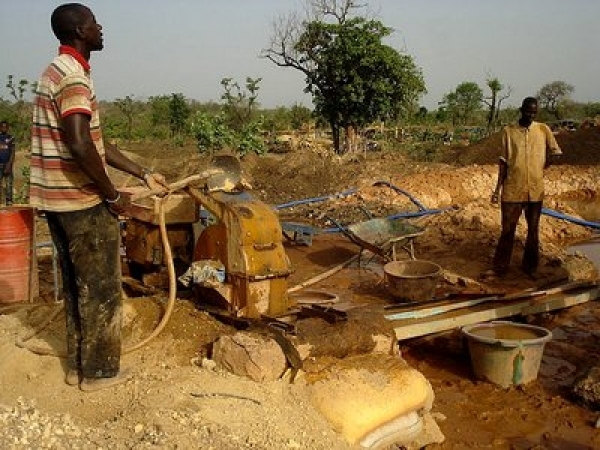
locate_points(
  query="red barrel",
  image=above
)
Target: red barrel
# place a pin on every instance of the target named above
(16, 253)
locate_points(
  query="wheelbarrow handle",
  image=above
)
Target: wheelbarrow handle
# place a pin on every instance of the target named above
(336, 223)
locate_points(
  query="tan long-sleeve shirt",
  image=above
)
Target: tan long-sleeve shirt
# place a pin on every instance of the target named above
(525, 151)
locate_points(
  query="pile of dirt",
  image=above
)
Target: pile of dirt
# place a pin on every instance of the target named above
(581, 147)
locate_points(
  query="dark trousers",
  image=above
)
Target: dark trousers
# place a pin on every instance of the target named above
(511, 212)
(6, 186)
(88, 243)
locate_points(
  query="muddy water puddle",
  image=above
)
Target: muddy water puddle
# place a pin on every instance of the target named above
(589, 211)
(590, 248)
(507, 332)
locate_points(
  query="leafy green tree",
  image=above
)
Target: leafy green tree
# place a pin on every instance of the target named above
(240, 104)
(353, 77)
(250, 139)
(179, 111)
(463, 103)
(299, 116)
(241, 111)
(591, 109)
(553, 97)
(275, 120)
(211, 131)
(159, 109)
(159, 116)
(127, 107)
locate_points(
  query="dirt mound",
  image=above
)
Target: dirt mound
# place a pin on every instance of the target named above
(581, 147)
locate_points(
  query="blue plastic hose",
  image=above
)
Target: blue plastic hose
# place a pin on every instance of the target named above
(559, 215)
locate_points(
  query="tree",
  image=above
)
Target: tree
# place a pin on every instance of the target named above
(353, 77)
(552, 97)
(240, 104)
(159, 110)
(463, 103)
(300, 115)
(211, 131)
(494, 101)
(19, 110)
(127, 107)
(591, 109)
(179, 111)
(234, 125)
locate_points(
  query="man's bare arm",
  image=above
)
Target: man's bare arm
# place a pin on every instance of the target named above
(79, 140)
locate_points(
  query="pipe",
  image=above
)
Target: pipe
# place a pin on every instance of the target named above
(401, 191)
(350, 192)
(172, 281)
(316, 199)
(559, 215)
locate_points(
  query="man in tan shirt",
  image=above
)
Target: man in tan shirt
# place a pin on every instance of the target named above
(528, 147)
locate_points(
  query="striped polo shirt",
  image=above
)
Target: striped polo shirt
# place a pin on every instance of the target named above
(57, 182)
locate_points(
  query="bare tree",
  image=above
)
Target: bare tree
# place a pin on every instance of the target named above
(494, 101)
(288, 29)
(340, 10)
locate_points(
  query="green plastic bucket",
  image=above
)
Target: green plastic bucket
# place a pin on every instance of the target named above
(506, 353)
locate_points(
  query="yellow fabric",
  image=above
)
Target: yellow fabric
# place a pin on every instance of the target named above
(357, 401)
(525, 151)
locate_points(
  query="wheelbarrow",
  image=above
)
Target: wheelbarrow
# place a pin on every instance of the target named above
(383, 236)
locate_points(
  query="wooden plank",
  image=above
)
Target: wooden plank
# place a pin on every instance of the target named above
(410, 328)
(561, 302)
(179, 207)
(441, 309)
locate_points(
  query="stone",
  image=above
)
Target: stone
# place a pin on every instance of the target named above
(587, 387)
(250, 355)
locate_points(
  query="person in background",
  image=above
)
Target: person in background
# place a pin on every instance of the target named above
(69, 183)
(7, 158)
(528, 147)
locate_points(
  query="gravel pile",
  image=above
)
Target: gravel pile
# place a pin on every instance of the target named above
(25, 427)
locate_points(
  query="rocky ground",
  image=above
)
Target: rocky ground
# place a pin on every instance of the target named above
(176, 401)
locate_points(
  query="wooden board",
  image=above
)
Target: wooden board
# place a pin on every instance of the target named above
(443, 307)
(410, 328)
(179, 208)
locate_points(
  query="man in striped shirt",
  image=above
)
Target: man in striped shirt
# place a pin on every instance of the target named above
(70, 184)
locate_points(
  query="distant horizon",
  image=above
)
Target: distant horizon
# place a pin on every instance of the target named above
(187, 46)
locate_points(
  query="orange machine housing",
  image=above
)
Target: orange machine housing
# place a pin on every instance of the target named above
(247, 240)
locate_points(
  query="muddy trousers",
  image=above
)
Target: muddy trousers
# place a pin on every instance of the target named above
(87, 243)
(511, 212)
(6, 186)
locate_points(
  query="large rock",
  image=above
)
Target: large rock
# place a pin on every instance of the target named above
(587, 387)
(250, 355)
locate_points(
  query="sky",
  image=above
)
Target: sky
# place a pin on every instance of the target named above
(160, 47)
